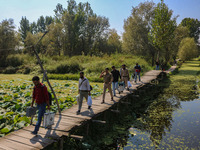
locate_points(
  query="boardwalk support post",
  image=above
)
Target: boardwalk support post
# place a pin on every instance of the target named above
(61, 143)
(42, 68)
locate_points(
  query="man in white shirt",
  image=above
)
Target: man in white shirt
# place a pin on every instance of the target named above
(84, 91)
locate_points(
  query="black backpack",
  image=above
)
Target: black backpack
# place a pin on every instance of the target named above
(50, 96)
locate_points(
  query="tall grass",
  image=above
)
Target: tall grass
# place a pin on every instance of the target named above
(91, 65)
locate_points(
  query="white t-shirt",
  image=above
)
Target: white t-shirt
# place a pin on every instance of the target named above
(85, 84)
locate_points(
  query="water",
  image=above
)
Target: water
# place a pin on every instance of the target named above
(182, 131)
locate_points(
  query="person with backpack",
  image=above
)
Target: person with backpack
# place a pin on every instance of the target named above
(84, 89)
(107, 83)
(137, 70)
(41, 97)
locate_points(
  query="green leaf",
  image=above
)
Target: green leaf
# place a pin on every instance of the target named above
(6, 129)
(17, 106)
(21, 124)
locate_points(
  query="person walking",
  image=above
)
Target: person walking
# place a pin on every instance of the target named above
(83, 90)
(157, 65)
(107, 83)
(116, 76)
(125, 76)
(41, 97)
(137, 69)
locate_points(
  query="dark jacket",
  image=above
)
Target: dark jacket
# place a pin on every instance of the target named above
(116, 75)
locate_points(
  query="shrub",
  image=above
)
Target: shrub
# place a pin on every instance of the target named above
(187, 49)
(14, 61)
(27, 70)
(10, 70)
(66, 67)
(72, 77)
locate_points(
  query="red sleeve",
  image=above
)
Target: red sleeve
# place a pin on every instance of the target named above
(46, 95)
(34, 93)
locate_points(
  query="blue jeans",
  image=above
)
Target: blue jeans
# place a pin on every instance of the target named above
(114, 87)
(137, 74)
(41, 110)
(157, 67)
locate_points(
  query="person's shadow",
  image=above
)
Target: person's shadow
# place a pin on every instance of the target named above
(51, 132)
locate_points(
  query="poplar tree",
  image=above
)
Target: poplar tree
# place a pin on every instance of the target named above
(162, 32)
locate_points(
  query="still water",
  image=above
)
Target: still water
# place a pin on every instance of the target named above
(183, 131)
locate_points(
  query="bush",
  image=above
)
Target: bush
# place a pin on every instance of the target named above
(187, 49)
(10, 70)
(27, 70)
(66, 67)
(72, 77)
(14, 61)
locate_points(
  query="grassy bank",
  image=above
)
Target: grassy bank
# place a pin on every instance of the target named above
(63, 67)
(184, 81)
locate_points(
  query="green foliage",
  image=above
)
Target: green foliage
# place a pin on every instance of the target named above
(193, 27)
(179, 34)
(16, 95)
(91, 65)
(10, 70)
(114, 43)
(162, 32)
(24, 28)
(14, 60)
(8, 40)
(187, 49)
(41, 27)
(137, 27)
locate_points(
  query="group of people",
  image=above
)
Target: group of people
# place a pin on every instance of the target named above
(109, 79)
(41, 97)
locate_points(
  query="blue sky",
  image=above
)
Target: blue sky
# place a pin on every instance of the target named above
(115, 10)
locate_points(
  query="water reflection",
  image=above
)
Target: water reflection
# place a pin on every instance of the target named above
(158, 118)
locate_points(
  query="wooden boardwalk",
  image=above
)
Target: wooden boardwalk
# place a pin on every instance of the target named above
(24, 140)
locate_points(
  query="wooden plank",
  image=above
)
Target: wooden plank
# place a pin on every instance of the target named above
(57, 118)
(15, 145)
(76, 116)
(47, 132)
(2, 147)
(76, 137)
(36, 141)
(27, 134)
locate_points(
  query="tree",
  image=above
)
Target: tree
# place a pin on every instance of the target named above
(59, 11)
(48, 20)
(179, 34)
(24, 28)
(8, 40)
(33, 28)
(41, 26)
(162, 32)
(114, 43)
(83, 30)
(54, 39)
(188, 49)
(193, 25)
(31, 40)
(136, 29)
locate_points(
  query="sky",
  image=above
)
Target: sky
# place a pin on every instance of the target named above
(116, 10)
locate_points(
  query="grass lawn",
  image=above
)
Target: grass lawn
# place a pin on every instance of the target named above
(183, 83)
